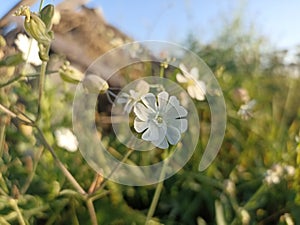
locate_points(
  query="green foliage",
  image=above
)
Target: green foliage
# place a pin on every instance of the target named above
(233, 190)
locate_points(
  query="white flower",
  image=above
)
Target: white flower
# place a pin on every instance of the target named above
(245, 217)
(66, 139)
(195, 87)
(245, 111)
(162, 119)
(290, 170)
(134, 96)
(277, 172)
(29, 48)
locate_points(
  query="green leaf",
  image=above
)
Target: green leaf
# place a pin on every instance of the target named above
(12, 60)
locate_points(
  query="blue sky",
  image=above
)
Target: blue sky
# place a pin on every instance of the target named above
(172, 20)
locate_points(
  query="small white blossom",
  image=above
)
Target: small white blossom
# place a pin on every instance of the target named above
(29, 48)
(230, 187)
(195, 87)
(277, 172)
(245, 111)
(288, 219)
(290, 170)
(245, 217)
(134, 96)
(161, 119)
(66, 139)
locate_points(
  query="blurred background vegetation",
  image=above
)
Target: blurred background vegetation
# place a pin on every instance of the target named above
(254, 180)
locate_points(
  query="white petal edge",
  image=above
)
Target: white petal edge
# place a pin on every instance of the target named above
(140, 125)
(173, 135)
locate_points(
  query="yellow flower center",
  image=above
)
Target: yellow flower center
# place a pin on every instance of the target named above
(191, 82)
(159, 119)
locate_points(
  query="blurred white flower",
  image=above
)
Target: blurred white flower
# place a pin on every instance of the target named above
(135, 50)
(29, 48)
(274, 175)
(66, 139)
(246, 110)
(195, 87)
(288, 219)
(241, 95)
(290, 170)
(230, 187)
(277, 172)
(56, 17)
(245, 217)
(162, 119)
(134, 96)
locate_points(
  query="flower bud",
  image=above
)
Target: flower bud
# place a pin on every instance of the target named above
(26, 130)
(47, 14)
(70, 74)
(34, 26)
(94, 84)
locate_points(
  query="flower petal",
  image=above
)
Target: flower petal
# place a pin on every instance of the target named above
(122, 98)
(162, 98)
(147, 135)
(141, 111)
(191, 91)
(157, 132)
(183, 125)
(173, 135)
(128, 106)
(140, 125)
(180, 78)
(150, 101)
(194, 73)
(142, 87)
(180, 124)
(200, 90)
(163, 145)
(183, 68)
(174, 110)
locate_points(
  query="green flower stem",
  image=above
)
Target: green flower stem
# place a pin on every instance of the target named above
(292, 90)
(32, 173)
(2, 137)
(13, 115)
(2, 192)
(3, 221)
(156, 194)
(14, 79)
(98, 190)
(11, 216)
(99, 195)
(41, 89)
(20, 76)
(90, 206)
(37, 74)
(29, 213)
(7, 111)
(68, 175)
(61, 166)
(15, 206)
(254, 202)
(41, 5)
(162, 71)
